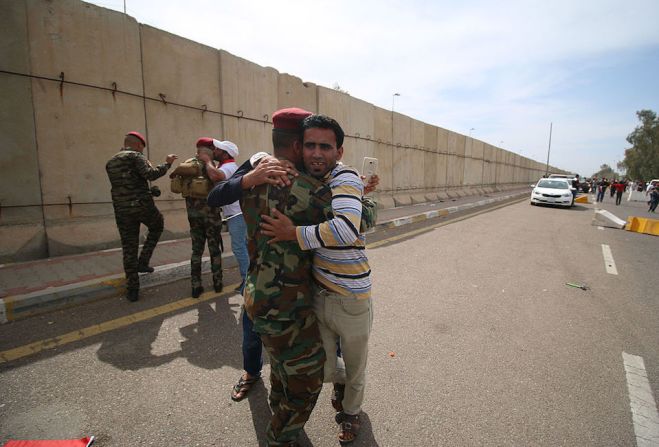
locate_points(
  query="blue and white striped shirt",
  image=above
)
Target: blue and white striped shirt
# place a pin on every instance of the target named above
(340, 263)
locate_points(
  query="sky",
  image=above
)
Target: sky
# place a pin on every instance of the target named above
(500, 71)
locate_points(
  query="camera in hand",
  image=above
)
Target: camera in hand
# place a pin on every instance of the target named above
(155, 191)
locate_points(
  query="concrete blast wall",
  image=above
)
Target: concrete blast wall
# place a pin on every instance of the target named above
(74, 78)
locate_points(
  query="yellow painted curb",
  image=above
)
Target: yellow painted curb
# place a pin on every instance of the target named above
(643, 225)
(581, 199)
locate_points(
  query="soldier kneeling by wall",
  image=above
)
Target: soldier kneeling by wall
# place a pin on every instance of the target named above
(191, 180)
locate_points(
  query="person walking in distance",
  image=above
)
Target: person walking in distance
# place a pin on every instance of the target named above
(129, 172)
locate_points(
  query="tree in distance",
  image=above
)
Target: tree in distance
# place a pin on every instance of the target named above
(642, 159)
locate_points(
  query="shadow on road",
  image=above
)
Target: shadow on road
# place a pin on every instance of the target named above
(212, 342)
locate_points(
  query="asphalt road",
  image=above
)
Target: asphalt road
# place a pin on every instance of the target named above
(477, 340)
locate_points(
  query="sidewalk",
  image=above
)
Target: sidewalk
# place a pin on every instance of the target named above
(35, 287)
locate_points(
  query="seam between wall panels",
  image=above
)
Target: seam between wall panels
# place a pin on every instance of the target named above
(36, 140)
(146, 122)
(222, 133)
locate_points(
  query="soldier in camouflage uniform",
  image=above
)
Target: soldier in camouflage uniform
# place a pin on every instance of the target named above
(129, 171)
(205, 221)
(278, 290)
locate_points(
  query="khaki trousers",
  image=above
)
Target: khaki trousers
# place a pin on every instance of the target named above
(347, 320)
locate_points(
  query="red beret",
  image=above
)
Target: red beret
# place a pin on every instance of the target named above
(206, 142)
(139, 136)
(289, 119)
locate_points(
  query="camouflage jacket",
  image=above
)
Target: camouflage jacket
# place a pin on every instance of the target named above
(279, 283)
(129, 172)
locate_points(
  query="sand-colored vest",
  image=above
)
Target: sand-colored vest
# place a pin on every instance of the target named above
(190, 180)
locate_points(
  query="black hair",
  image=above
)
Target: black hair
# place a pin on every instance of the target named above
(324, 122)
(284, 139)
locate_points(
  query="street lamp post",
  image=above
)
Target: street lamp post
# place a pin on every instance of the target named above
(393, 98)
(548, 150)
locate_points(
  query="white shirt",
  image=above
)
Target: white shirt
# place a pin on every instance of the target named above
(231, 209)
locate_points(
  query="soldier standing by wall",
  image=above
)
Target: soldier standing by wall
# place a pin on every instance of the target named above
(205, 221)
(129, 171)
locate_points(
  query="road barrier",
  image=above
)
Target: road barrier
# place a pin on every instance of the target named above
(643, 225)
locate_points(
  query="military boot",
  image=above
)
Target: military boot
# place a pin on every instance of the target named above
(133, 295)
(143, 268)
(197, 291)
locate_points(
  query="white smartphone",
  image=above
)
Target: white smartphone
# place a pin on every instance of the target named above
(369, 168)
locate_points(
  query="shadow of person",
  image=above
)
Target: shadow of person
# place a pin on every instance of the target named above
(366, 437)
(215, 340)
(260, 410)
(130, 348)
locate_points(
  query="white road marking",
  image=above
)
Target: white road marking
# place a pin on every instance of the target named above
(600, 228)
(641, 402)
(609, 263)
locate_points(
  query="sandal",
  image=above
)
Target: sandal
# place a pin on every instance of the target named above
(349, 428)
(337, 396)
(243, 386)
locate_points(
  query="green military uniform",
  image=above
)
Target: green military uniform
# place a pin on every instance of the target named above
(205, 226)
(278, 299)
(129, 171)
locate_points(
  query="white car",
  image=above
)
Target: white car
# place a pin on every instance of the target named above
(552, 191)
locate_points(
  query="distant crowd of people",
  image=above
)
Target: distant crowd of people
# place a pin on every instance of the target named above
(297, 221)
(650, 190)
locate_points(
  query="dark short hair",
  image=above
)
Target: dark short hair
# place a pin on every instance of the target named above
(284, 139)
(324, 122)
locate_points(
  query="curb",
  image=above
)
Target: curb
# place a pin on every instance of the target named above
(18, 307)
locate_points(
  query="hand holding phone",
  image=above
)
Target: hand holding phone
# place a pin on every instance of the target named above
(369, 168)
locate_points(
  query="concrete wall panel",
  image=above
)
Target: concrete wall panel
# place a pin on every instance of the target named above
(88, 43)
(22, 234)
(430, 168)
(452, 146)
(292, 92)
(248, 88)
(77, 133)
(250, 136)
(473, 171)
(383, 149)
(188, 74)
(336, 105)
(418, 134)
(477, 148)
(430, 137)
(402, 130)
(23, 242)
(442, 140)
(174, 130)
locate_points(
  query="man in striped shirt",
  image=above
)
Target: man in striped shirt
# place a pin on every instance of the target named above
(342, 300)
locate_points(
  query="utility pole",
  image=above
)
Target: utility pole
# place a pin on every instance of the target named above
(548, 149)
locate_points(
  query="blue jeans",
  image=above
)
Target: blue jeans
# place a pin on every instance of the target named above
(238, 233)
(252, 348)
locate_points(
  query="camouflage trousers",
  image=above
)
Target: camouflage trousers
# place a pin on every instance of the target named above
(296, 377)
(128, 223)
(205, 228)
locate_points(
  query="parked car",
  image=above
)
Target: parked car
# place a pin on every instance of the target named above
(553, 191)
(568, 177)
